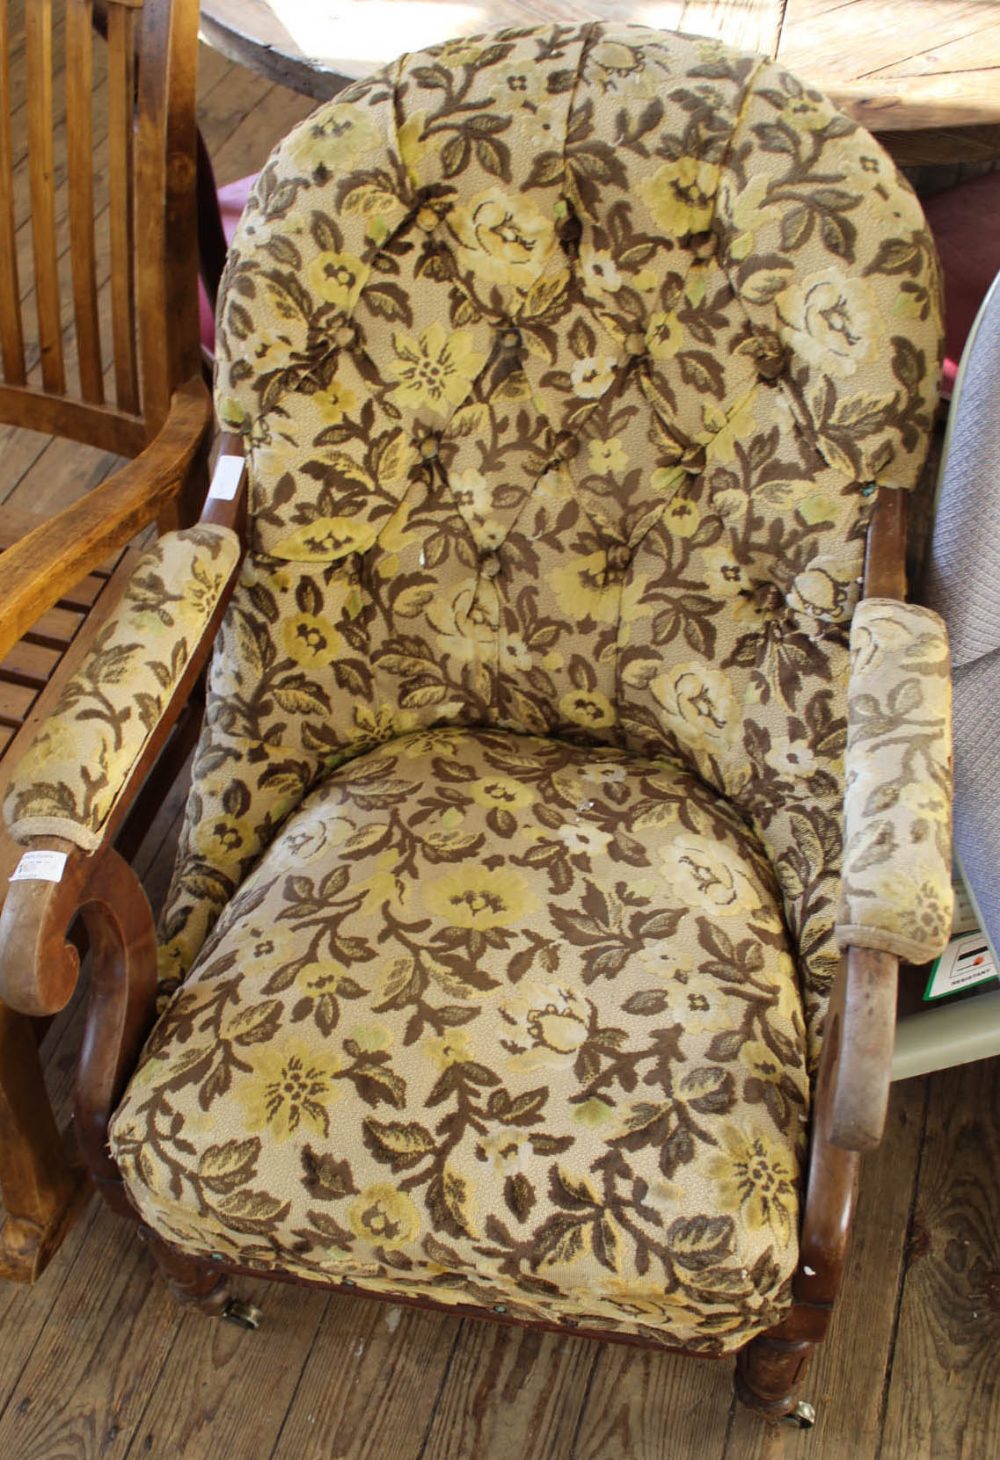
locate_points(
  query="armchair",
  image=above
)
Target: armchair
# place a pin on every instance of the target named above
(559, 812)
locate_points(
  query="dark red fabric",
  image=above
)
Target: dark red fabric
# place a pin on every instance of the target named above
(965, 221)
(232, 201)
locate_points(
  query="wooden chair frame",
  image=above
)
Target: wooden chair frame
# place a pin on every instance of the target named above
(39, 969)
(161, 417)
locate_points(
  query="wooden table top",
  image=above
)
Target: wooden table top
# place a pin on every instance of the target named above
(922, 74)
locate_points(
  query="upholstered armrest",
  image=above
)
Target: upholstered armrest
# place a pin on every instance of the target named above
(896, 880)
(106, 722)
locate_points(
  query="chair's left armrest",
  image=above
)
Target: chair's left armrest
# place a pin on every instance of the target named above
(89, 756)
(896, 895)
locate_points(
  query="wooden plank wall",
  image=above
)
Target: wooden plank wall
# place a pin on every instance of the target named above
(98, 1361)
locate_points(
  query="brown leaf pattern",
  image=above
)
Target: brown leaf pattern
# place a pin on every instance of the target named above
(896, 891)
(497, 1019)
(567, 363)
(73, 773)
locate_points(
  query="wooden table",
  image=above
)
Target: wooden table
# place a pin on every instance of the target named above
(924, 75)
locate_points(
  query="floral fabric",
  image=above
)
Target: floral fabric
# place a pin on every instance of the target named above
(501, 1020)
(896, 889)
(567, 362)
(69, 780)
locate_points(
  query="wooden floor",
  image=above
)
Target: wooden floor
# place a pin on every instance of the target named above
(97, 1361)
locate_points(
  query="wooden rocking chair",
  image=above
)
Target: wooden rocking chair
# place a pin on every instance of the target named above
(132, 266)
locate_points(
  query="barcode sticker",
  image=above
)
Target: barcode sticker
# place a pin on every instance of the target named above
(226, 478)
(40, 867)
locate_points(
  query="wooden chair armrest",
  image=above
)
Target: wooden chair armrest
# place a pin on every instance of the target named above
(39, 569)
(226, 500)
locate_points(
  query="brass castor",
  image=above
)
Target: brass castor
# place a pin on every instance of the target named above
(243, 1315)
(803, 1416)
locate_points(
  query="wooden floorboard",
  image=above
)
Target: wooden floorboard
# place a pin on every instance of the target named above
(98, 1361)
(370, 1386)
(223, 1394)
(654, 1407)
(944, 1395)
(510, 1390)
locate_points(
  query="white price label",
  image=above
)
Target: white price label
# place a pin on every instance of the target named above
(40, 867)
(226, 478)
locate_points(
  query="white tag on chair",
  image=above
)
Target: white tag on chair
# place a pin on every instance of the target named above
(40, 867)
(226, 478)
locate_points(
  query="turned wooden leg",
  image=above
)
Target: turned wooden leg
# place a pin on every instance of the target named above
(768, 1374)
(43, 1190)
(199, 1284)
(191, 1280)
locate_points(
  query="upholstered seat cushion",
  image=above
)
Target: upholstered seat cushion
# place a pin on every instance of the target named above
(496, 1019)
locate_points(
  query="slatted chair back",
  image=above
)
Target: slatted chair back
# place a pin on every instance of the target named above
(98, 311)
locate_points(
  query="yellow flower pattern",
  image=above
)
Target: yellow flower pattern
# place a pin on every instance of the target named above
(524, 749)
(434, 371)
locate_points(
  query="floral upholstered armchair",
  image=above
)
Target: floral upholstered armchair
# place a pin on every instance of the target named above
(558, 740)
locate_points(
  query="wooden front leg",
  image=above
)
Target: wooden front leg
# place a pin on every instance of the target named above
(40, 969)
(42, 1187)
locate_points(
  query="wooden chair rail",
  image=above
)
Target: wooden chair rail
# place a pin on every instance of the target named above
(11, 332)
(40, 568)
(96, 425)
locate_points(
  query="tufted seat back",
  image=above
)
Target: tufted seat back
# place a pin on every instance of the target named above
(567, 362)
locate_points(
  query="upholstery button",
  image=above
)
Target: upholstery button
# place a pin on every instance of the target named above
(670, 453)
(489, 565)
(769, 355)
(427, 219)
(619, 556)
(429, 448)
(569, 229)
(344, 336)
(510, 339)
(565, 445)
(635, 343)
